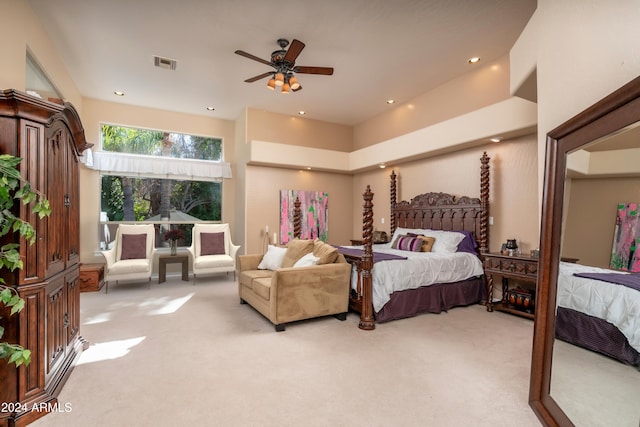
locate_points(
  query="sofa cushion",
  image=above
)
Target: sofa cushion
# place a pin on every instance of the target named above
(212, 244)
(129, 266)
(307, 260)
(296, 249)
(262, 287)
(134, 246)
(272, 259)
(247, 277)
(326, 253)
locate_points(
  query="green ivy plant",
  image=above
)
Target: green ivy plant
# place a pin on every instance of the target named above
(14, 189)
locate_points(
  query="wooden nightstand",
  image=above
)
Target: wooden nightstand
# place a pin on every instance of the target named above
(91, 277)
(520, 267)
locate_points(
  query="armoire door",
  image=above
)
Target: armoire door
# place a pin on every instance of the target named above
(56, 167)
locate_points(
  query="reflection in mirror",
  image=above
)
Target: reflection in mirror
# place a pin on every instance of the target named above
(591, 166)
(593, 378)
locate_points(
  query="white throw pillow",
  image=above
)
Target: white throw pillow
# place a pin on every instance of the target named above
(446, 241)
(272, 260)
(307, 260)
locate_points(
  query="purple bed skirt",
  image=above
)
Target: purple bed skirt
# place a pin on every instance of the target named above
(594, 334)
(432, 299)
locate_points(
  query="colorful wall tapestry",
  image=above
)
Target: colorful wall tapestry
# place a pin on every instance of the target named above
(314, 206)
(626, 239)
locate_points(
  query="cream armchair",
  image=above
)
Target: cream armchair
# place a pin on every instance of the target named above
(131, 255)
(212, 250)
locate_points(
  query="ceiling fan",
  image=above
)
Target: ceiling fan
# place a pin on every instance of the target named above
(284, 63)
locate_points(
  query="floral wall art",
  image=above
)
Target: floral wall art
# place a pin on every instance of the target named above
(314, 206)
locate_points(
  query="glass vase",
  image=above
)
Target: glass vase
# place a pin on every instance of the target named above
(174, 247)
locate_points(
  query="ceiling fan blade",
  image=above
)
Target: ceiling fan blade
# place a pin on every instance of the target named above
(294, 50)
(255, 58)
(327, 71)
(256, 78)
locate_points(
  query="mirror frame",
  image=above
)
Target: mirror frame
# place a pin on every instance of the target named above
(614, 112)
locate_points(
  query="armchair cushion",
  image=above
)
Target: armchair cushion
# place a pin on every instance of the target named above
(134, 246)
(212, 244)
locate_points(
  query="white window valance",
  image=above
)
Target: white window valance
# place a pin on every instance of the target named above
(135, 165)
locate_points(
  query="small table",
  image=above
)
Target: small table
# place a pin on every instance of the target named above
(519, 267)
(163, 260)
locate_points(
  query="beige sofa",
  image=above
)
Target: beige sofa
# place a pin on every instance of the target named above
(285, 288)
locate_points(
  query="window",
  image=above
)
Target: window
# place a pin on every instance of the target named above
(159, 177)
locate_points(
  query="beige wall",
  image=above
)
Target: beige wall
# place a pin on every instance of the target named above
(97, 112)
(263, 201)
(589, 225)
(284, 129)
(512, 190)
(483, 85)
(21, 31)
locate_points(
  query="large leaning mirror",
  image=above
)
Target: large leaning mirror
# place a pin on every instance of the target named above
(585, 367)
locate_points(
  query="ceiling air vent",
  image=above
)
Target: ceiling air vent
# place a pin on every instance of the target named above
(166, 63)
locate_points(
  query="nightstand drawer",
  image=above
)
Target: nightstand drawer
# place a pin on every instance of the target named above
(513, 266)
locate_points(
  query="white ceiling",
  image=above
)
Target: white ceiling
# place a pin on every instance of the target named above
(380, 49)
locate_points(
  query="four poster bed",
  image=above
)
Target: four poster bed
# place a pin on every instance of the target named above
(410, 281)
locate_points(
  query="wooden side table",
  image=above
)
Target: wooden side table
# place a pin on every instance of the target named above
(520, 267)
(163, 260)
(91, 277)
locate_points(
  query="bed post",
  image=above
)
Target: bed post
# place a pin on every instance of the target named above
(484, 203)
(392, 191)
(297, 219)
(366, 316)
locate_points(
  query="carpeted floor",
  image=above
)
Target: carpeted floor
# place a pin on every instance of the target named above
(180, 354)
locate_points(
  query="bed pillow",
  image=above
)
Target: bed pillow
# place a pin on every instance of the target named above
(408, 243)
(427, 243)
(306, 261)
(272, 260)
(212, 244)
(134, 246)
(296, 249)
(446, 241)
(468, 244)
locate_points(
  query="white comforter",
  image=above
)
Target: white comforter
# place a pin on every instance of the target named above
(420, 269)
(618, 305)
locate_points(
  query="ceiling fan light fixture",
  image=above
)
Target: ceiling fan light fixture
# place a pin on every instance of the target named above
(286, 88)
(279, 79)
(293, 82)
(272, 83)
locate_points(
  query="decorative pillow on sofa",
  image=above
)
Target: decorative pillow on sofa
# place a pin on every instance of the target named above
(326, 253)
(296, 249)
(407, 243)
(272, 260)
(307, 260)
(212, 244)
(134, 246)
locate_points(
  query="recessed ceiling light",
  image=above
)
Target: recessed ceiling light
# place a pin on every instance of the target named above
(382, 166)
(391, 101)
(210, 108)
(308, 168)
(473, 60)
(118, 93)
(496, 139)
(302, 113)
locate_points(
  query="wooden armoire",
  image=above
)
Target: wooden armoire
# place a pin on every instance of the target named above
(49, 138)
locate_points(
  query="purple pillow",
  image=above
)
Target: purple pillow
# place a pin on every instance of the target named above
(468, 244)
(408, 243)
(134, 246)
(212, 243)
